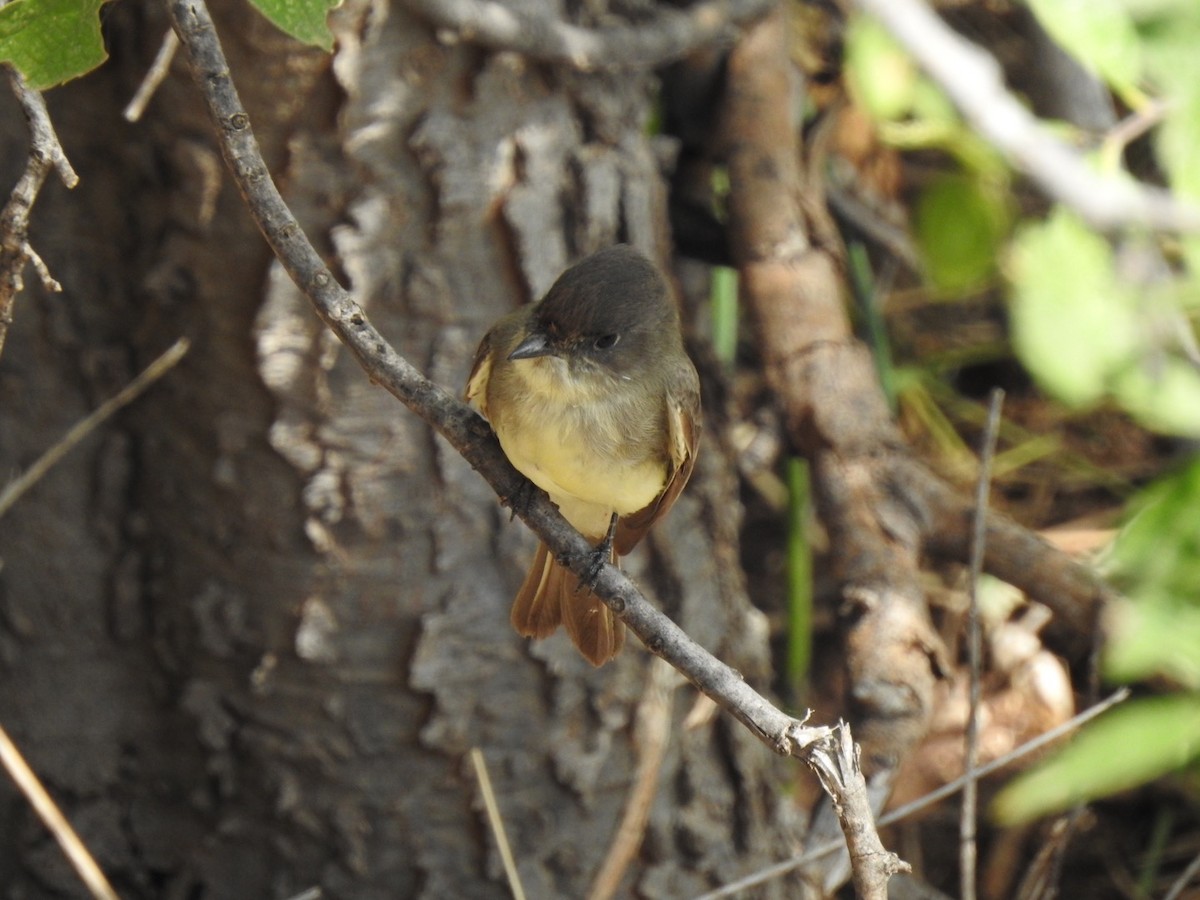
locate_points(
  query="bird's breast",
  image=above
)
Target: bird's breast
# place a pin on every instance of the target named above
(576, 437)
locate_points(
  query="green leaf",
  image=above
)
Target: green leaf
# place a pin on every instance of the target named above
(1163, 393)
(1099, 33)
(1158, 549)
(881, 74)
(1074, 325)
(51, 41)
(1153, 639)
(302, 19)
(1155, 560)
(1179, 143)
(1128, 746)
(959, 226)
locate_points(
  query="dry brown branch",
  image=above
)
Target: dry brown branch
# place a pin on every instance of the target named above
(833, 409)
(1073, 592)
(461, 426)
(834, 412)
(871, 865)
(45, 153)
(881, 508)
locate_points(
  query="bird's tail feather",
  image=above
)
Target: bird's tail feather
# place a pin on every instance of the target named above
(551, 595)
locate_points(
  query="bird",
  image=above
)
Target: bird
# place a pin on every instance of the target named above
(594, 399)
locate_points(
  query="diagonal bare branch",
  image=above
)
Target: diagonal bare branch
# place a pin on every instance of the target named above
(458, 424)
(972, 79)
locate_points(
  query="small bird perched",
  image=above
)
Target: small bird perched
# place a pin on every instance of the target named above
(595, 401)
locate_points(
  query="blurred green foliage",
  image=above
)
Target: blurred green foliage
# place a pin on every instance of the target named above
(1096, 319)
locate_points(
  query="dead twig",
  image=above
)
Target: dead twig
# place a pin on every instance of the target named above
(1189, 874)
(155, 76)
(81, 429)
(836, 764)
(496, 821)
(31, 786)
(968, 820)
(45, 153)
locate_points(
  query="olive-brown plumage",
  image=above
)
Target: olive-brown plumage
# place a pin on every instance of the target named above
(595, 401)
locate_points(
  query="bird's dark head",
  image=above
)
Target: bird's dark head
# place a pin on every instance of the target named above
(609, 311)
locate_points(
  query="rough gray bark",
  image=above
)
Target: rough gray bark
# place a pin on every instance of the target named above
(249, 634)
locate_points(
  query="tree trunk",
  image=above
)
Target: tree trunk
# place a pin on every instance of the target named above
(250, 631)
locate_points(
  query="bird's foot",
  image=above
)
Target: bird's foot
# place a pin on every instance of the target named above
(601, 554)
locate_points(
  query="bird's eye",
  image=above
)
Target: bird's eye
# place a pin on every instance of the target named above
(606, 341)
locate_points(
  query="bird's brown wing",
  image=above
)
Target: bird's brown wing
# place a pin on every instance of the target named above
(683, 429)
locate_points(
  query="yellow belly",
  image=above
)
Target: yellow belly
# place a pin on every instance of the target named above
(568, 439)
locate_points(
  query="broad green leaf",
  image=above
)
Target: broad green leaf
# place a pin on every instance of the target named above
(1148, 640)
(959, 226)
(51, 41)
(1155, 560)
(302, 19)
(1179, 143)
(1074, 325)
(1156, 556)
(1099, 33)
(1128, 746)
(1163, 394)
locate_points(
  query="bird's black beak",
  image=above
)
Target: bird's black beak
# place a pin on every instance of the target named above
(537, 344)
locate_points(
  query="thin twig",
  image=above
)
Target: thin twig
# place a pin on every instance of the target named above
(497, 824)
(81, 429)
(1129, 129)
(670, 35)
(936, 796)
(155, 76)
(1192, 870)
(45, 153)
(31, 786)
(968, 820)
(973, 81)
(43, 139)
